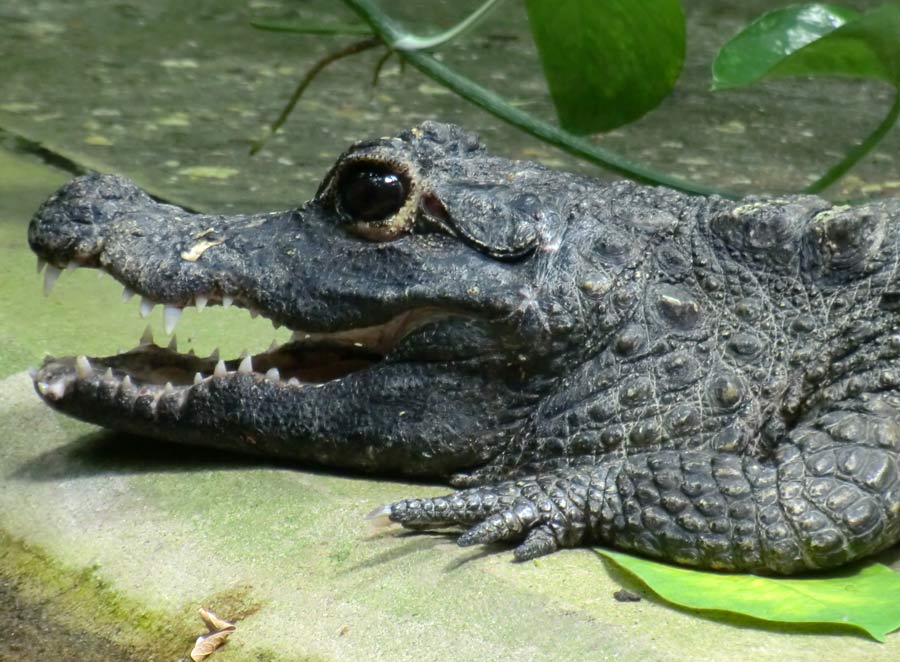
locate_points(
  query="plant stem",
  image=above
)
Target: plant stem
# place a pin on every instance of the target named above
(352, 49)
(411, 42)
(376, 73)
(385, 29)
(855, 154)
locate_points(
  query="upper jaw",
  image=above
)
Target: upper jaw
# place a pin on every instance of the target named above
(295, 268)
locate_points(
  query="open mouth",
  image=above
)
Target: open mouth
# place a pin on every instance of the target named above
(307, 359)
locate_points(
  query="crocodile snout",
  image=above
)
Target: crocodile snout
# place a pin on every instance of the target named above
(71, 225)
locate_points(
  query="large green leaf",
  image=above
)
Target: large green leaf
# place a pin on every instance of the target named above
(861, 597)
(607, 62)
(813, 39)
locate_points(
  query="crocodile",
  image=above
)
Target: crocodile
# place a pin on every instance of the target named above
(700, 380)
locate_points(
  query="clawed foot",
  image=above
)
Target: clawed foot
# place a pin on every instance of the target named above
(541, 514)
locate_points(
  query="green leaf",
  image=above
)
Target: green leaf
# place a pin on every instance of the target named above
(813, 40)
(304, 27)
(861, 597)
(607, 62)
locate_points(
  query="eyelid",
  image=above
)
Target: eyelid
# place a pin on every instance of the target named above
(400, 214)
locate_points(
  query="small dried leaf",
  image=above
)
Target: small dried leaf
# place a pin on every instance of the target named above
(207, 644)
(213, 622)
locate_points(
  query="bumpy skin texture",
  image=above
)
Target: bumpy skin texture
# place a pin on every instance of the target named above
(704, 381)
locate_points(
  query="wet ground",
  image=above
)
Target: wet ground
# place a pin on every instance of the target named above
(175, 97)
(30, 632)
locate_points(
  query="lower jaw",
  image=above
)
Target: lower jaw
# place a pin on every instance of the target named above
(328, 413)
(245, 412)
(158, 373)
(156, 392)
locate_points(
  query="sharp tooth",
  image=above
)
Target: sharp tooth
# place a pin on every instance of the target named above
(146, 306)
(273, 374)
(214, 356)
(147, 337)
(126, 383)
(41, 263)
(56, 390)
(173, 344)
(273, 346)
(126, 294)
(201, 301)
(108, 375)
(380, 518)
(50, 276)
(198, 377)
(83, 367)
(220, 370)
(227, 301)
(53, 391)
(293, 381)
(168, 388)
(246, 365)
(170, 318)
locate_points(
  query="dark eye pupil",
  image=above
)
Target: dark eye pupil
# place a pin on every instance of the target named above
(370, 193)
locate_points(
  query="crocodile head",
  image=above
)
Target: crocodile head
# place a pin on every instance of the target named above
(431, 299)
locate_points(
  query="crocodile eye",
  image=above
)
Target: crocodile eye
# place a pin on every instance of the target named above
(371, 192)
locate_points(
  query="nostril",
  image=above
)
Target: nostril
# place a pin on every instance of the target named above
(71, 224)
(92, 198)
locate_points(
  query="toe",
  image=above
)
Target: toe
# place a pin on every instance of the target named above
(510, 524)
(539, 542)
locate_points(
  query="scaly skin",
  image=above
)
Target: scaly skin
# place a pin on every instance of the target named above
(709, 382)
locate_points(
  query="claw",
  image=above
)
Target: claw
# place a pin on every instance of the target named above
(380, 517)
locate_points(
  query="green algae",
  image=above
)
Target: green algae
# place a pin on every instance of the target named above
(83, 601)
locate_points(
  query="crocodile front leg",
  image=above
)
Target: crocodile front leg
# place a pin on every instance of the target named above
(829, 494)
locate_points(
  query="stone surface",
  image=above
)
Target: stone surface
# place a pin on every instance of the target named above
(123, 540)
